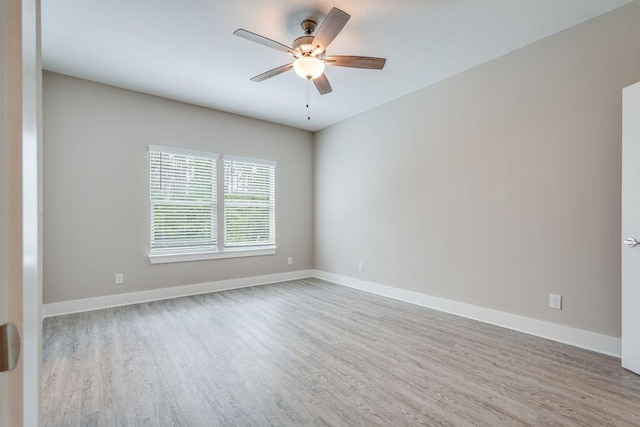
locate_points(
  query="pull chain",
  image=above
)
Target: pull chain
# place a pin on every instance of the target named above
(308, 99)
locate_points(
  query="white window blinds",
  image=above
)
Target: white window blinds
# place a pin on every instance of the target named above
(249, 202)
(183, 199)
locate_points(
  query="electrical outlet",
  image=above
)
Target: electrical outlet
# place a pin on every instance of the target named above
(555, 301)
(119, 279)
(290, 260)
(360, 267)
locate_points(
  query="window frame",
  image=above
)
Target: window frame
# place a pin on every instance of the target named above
(219, 251)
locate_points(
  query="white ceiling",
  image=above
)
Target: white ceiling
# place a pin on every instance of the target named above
(185, 49)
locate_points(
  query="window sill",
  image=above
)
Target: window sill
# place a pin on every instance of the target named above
(167, 257)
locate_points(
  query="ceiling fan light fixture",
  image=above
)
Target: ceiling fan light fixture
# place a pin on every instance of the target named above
(308, 67)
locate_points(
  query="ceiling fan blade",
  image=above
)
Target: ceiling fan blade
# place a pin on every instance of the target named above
(322, 84)
(356, 61)
(330, 27)
(272, 73)
(257, 38)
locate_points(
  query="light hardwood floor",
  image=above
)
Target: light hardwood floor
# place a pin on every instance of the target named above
(311, 353)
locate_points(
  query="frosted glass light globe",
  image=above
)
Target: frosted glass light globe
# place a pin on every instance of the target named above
(308, 67)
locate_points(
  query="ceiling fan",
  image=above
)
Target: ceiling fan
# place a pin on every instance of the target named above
(309, 51)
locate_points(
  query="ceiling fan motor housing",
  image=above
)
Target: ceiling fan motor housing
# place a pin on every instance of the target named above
(304, 44)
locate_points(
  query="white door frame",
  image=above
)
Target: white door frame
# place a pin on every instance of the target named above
(630, 228)
(31, 210)
(20, 201)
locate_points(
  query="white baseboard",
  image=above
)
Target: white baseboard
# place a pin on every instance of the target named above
(577, 337)
(88, 304)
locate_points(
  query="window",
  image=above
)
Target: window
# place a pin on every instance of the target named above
(184, 206)
(249, 202)
(183, 200)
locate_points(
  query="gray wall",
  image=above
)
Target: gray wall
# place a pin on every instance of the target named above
(96, 187)
(495, 187)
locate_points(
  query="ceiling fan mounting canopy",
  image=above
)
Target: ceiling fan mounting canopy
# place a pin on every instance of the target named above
(309, 51)
(308, 26)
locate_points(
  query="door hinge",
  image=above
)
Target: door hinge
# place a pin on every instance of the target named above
(9, 347)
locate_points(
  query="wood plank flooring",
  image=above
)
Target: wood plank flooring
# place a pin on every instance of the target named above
(308, 352)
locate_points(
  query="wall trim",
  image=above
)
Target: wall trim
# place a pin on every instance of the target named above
(600, 343)
(565, 334)
(107, 301)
